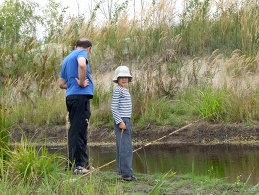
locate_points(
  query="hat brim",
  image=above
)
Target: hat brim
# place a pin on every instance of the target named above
(115, 79)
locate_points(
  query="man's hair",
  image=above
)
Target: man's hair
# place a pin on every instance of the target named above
(83, 42)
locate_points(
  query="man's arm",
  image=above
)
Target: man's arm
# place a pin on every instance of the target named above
(62, 83)
(82, 68)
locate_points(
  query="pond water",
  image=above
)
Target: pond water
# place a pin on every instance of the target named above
(217, 161)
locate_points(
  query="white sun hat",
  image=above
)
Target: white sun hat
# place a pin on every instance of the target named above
(121, 71)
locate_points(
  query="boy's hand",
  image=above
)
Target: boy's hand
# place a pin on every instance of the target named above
(122, 126)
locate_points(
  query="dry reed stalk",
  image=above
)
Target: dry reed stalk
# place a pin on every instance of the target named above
(67, 129)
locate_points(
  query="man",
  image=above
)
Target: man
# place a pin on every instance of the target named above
(76, 79)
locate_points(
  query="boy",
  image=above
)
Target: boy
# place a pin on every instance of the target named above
(121, 110)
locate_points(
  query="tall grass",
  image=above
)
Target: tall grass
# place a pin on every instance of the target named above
(5, 125)
(231, 26)
(202, 28)
(30, 163)
(101, 106)
(30, 68)
(221, 104)
(156, 189)
(29, 107)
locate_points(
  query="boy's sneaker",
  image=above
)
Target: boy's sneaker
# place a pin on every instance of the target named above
(80, 170)
(132, 178)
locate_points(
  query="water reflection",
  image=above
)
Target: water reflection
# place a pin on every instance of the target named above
(218, 161)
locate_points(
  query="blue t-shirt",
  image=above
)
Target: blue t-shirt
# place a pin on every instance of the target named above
(69, 71)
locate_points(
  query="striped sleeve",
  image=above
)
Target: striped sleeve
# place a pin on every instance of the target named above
(115, 105)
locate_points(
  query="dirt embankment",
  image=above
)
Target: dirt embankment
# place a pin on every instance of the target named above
(200, 133)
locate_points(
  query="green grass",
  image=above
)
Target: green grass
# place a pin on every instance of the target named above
(216, 104)
(221, 105)
(31, 163)
(29, 107)
(5, 125)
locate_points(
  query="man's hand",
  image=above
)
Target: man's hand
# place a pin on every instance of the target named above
(84, 84)
(122, 126)
(62, 83)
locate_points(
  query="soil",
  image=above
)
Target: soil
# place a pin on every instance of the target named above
(199, 133)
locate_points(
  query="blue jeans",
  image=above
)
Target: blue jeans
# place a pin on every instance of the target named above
(124, 149)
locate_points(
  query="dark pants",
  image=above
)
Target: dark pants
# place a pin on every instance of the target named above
(124, 149)
(78, 107)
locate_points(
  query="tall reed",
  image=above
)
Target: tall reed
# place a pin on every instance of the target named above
(221, 104)
(202, 27)
(30, 163)
(5, 125)
(28, 107)
(149, 43)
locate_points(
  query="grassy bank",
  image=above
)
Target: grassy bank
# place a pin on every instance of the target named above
(107, 183)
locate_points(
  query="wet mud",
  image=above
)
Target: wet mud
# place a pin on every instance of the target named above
(200, 133)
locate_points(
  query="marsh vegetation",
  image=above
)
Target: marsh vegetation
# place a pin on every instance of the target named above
(203, 62)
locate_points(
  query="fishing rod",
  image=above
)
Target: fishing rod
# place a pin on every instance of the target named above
(147, 144)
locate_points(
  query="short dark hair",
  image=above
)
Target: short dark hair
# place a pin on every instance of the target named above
(83, 42)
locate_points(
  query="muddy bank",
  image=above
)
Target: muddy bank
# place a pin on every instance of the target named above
(200, 133)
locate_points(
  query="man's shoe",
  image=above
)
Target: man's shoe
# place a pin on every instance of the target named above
(80, 170)
(132, 178)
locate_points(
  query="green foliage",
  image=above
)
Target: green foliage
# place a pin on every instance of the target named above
(154, 111)
(220, 104)
(209, 103)
(54, 20)
(118, 9)
(29, 108)
(102, 116)
(101, 106)
(101, 95)
(17, 19)
(33, 66)
(31, 163)
(5, 124)
(156, 189)
(242, 106)
(204, 101)
(204, 29)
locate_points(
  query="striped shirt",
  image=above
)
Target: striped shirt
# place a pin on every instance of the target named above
(121, 104)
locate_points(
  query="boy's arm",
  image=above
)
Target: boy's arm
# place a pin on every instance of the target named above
(115, 106)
